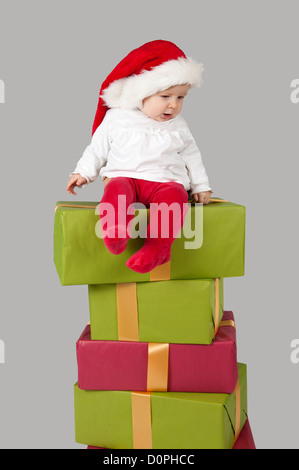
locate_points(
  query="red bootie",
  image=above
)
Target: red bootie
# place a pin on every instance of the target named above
(116, 239)
(149, 257)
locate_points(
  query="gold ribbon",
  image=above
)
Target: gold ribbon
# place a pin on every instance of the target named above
(217, 200)
(76, 206)
(127, 312)
(228, 323)
(157, 367)
(142, 419)
(161, 273)
(210, 201)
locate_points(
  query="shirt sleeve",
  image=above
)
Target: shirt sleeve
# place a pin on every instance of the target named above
(196, 171)
(95, 155)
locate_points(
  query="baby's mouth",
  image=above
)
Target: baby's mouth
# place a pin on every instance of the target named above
(166, 115)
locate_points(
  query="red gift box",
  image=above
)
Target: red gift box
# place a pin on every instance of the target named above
(244, 441)
(125, 365)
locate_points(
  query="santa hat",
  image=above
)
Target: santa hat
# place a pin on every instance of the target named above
(153, 67)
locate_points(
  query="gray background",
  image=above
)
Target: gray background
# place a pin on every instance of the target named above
(54, 57)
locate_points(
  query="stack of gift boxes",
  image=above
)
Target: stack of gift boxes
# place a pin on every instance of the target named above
(157, 363)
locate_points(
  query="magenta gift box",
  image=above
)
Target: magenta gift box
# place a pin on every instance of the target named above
(123, 365)
(245, 439)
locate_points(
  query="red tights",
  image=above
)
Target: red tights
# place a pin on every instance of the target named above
(157, 248)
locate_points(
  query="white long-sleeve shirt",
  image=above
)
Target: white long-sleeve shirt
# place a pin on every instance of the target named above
(131, 144)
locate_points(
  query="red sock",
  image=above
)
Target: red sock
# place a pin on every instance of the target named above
(161, 231)
(119, 193)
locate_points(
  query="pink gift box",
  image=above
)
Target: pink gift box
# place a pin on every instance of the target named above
(245, 439)
(123, 365)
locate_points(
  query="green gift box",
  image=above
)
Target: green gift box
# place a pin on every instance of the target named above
(160, 420)
(210, 245)
(183, 311)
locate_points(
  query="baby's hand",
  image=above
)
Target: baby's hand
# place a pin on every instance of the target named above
(202, 197)
(75, 180)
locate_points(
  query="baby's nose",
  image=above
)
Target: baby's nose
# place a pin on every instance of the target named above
(173, 103)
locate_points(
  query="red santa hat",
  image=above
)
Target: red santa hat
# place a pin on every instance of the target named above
(153, 67)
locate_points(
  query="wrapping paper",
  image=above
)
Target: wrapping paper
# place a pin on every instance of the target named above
(178, 420)
(166, 311)
(123, 365)
(81, 257)
(245, 440)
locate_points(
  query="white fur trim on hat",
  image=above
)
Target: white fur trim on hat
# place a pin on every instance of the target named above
(129, 92)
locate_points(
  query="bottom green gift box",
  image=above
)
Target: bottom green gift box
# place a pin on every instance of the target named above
(161, 420)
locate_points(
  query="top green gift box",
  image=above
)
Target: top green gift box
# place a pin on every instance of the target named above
(210, 245)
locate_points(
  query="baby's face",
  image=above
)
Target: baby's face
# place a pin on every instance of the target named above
(166, 104)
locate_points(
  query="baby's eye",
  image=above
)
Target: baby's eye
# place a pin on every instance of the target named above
(181, 97)
(164, 96)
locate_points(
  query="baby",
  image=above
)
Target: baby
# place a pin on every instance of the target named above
(143, 149)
